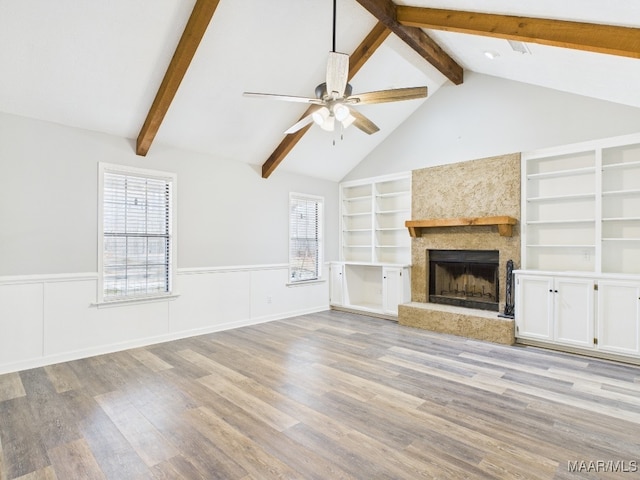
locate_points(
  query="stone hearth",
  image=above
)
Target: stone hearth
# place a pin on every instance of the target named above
(479, 188)
(465, 322)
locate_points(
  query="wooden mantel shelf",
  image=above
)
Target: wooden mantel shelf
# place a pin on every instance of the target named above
(504, 224)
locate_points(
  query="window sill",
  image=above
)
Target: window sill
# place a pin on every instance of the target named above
(134, 301)
(305, 282)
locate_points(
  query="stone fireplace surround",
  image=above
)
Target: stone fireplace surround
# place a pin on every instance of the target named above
(477, 188)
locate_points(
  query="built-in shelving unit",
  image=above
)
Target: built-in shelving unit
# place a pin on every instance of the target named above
(621, 209)
(373, 216)
(559, 211)
(581, 208)
(373, 272)
(579, 285)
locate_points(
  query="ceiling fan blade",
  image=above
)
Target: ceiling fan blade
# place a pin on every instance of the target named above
(286, 98)
(363, 123)
(383, 96)
(337, 74)
(303, 122)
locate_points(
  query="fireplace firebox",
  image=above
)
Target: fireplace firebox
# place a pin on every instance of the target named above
(465, 278)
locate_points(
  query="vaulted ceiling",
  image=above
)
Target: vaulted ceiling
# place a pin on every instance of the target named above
(169, 72)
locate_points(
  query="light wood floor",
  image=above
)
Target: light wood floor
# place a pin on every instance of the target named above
(323, 396)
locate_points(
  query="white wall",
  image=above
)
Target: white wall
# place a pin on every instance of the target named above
(232, 245)
(227, 213)
(487, 116)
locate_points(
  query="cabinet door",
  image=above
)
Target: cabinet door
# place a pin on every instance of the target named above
(573, 312)
(393, 290)
(336, 290)
(619, 317)
(534, 307)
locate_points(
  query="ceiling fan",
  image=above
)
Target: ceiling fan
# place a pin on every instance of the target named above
(334, 100)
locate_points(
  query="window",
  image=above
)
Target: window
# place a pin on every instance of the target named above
(305, 237)
(136, 233)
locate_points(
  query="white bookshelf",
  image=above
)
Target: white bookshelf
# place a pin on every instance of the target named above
(559, 204)
(581, 207)
(373, 212)
(621, 209)
(373, 273)
(579, 286)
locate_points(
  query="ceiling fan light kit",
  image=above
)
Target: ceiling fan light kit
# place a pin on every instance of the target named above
(334, 99)
(341, 112)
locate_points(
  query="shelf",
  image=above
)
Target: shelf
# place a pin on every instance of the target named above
(389, 212)
(613, 239)
(357, 246)
(555, 198)
(361, 214)
(559, 222)
(561, 246)
(390, 229)
(623, 165)
(350, 230)
(357, 199)
(621, 192)
(392, 194)
(392, 246)
(561, 173)
(369, 306)
(504, 224)
(621, 219)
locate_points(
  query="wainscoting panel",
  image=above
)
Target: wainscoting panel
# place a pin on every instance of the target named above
(210, 299)
(20, 322)
(46, 319)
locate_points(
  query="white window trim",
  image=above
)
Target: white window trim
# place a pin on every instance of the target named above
(321, 230)
(125, 169)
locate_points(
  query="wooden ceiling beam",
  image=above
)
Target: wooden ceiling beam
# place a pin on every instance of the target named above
(356, 60)
(386, 12)
(195, 29)
(608, 39)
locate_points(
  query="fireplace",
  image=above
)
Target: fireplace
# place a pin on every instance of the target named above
(465, 278)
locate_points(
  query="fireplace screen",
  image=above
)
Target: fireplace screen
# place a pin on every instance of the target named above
(466, 278)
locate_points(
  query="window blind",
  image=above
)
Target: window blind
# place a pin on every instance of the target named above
(137, 236)
(304, 241)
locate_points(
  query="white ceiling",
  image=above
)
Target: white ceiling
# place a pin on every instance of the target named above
(97, 65)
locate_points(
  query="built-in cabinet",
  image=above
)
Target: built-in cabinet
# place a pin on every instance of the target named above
(579, 283)
(558, 309)
(619, 307)
(370, 288)
(598, 313)
(373, 274)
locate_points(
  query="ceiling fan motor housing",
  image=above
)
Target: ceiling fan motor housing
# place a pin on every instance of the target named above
(321, 90)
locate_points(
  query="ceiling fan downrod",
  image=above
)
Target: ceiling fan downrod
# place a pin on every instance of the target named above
(334, 26)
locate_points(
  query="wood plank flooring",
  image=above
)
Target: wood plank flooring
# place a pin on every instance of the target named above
(324, 396)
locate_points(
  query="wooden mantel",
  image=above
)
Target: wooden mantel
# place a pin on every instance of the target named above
(504, 224)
